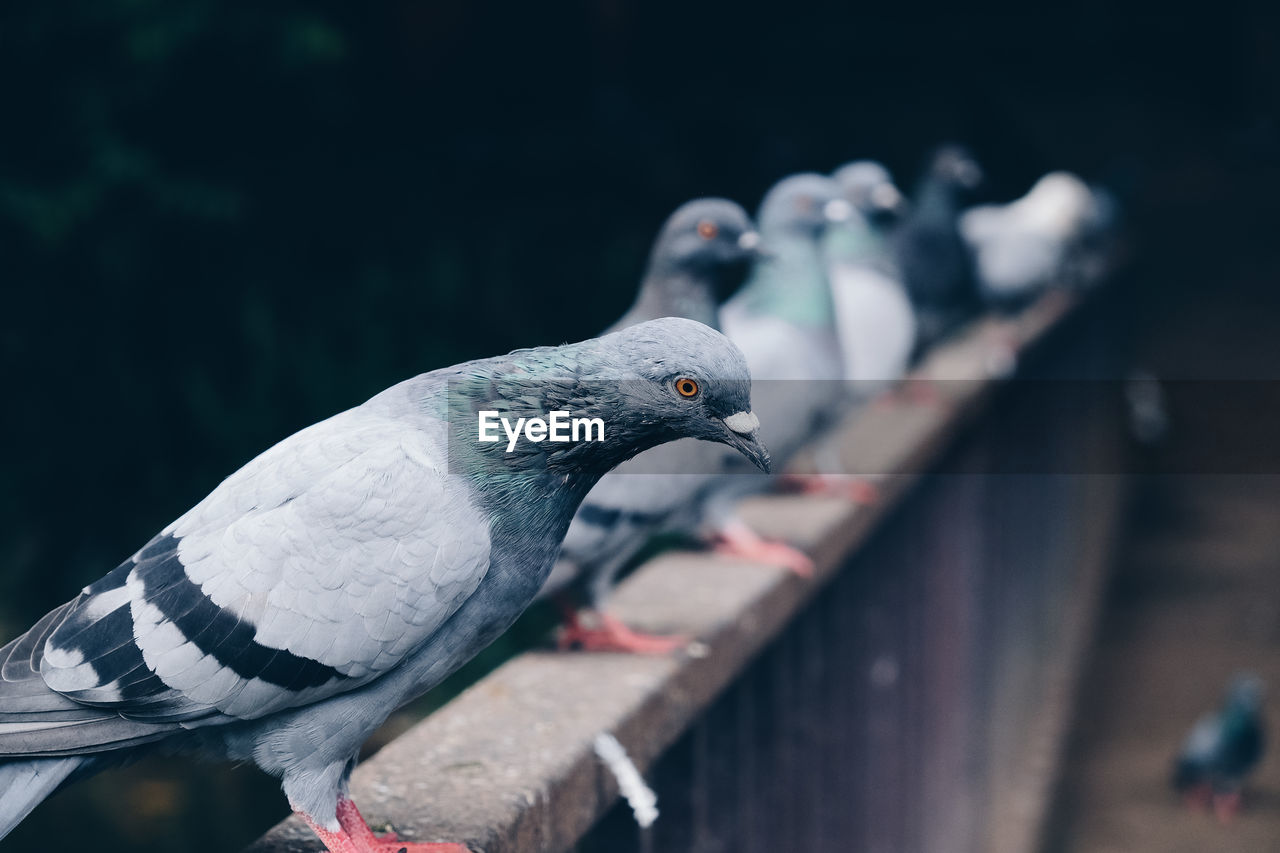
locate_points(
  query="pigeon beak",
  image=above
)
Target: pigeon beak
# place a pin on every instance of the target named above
(837, 210)
(751, 243)
(744, 436)
(886, 197)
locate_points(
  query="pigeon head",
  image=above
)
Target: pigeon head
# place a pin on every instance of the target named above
(647, 384)
(705, 237)
(868, 186)
(684, 379)
(954, 167)
(1059, 204)
(802, 205)
(702, 255)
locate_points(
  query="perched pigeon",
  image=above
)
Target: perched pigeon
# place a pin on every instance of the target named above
(702, 254)
(874, 317)
(783, 320)
(1023, 247)
(783, 317)
(349, 569)
(1222, 749)
(936, 264)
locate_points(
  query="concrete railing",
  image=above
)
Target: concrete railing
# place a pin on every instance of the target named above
(913, 696)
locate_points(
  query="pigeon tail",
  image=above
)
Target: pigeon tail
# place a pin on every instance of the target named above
(25, 784)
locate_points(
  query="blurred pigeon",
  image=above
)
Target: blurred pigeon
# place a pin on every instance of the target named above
(702, 255)
(1222, 749)
(783, 320)
(783, 317)
(936, 264)
(347, 570)
(874, 318)
(1023, 247)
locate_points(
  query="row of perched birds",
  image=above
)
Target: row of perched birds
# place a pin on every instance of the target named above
(357, 563)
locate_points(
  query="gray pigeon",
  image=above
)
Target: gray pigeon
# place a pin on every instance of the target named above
(1222, 749)
(349, 569)
(784, 321)
(936, 264)
(701, 255)
(1023, 247)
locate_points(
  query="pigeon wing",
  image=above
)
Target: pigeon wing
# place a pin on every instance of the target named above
(313, 570)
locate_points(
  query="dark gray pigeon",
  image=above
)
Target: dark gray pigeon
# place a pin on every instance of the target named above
(349, 569)
(702, 254)
(1222, 749)
(936, 264)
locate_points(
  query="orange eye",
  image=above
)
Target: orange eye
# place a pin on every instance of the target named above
(686, 387)
(707, 230)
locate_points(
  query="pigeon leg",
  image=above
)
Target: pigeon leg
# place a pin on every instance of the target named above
(355, 836)
(854, 489)
(1197, 798)
(354, 824)
(1226, 806)
(736, 539)
(613, 635)
(914, 392)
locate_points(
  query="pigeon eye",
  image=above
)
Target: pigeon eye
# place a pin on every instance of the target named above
(686, 387)
(707, 230)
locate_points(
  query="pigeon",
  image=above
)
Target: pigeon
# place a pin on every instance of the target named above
(936, 264)
(783, 316)
(783, 319)
(702, 255)
(875, 321)
(1221, 750)
(1024, 247)
(350, 568)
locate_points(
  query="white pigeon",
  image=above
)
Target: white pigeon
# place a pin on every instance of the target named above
(1023, 247)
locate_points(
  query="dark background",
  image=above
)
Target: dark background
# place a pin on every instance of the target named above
(219, 224)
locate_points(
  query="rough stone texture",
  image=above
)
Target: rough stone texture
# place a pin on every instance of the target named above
(509, 766)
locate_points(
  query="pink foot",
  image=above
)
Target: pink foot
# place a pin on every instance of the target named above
(355, 836)
(1001, 359)
(1197, 799)
(913, 392)
(736, 539)
(853, 489)
(614, 636)
(1226, 807)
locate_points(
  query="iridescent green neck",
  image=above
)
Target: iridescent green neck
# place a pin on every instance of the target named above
(792, 284)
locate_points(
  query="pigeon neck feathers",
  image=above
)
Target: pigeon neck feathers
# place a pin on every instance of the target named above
(674, 293)
(621, 379)
(792, 283)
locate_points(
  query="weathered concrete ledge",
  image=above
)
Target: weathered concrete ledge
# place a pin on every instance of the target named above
(509, 764)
